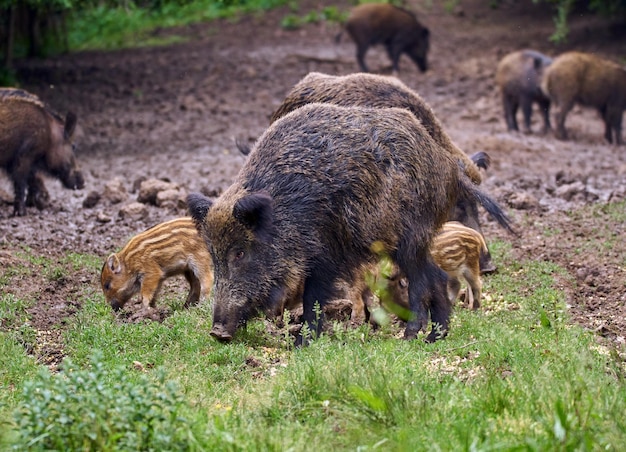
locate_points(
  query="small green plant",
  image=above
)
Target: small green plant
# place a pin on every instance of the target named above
(99, 409)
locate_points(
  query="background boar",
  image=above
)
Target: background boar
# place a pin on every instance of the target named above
(320, 186)
(370, 90)
(576, 77)
(518, 77)
(35, 139)
(167, 249)
(396, 28)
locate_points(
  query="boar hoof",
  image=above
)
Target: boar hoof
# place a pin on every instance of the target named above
(488, 269)
(219, 333)
(411, 333)
(435, 334)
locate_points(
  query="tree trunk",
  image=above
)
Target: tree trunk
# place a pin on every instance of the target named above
(10, 27)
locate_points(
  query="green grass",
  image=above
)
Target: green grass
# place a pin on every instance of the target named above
(515, 375)
(104, 27)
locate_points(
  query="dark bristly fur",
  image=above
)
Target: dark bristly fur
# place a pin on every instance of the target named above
(371, 90)
(339, 180)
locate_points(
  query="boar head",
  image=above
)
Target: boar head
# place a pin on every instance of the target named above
(117, 284)
(61, 160)
(239, 231)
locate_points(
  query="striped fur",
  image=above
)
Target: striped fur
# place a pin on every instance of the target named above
(167, 249)
(456, 249)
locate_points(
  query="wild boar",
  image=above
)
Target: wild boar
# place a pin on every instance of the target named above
(165, 250)
(371, 90)
(320, 186)
(518, 77)
(394, 27)
(35, 139)
(588, 80)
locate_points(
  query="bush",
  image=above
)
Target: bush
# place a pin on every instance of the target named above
(99, 409)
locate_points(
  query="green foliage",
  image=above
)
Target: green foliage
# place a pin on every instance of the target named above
(328, 14)
(110, 25)
(607, 8)
(99, 409)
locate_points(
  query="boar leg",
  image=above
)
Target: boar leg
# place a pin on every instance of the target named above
(510, 105)
(454, 287)
(472, 276)
(544, 107)
(440, 306)
(426, 281)
(195, 289)
(21, 174)
(150, 287)
(613, 124)
(527, 110)
(38, 195)
(315, 294)
(19, 204)
(394, 51)
(360, 57)
(564, 109)
(486, 264)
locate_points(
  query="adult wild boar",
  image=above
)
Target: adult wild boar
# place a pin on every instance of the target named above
(320, 187)
(34, 139)
(518, 77)
(588, 80)
(396, 28)
(371, 90)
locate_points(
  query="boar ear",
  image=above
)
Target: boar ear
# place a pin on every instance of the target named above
(70, 125)
(244, 148)
(198, 205)
(114, 263)
(256, 212)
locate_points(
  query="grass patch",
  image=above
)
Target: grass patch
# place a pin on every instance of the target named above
(516, 375)
(103, 27)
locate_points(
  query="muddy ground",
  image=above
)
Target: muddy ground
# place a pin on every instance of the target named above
(174, 113)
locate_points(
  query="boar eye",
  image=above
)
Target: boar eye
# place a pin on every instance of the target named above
(107, 285)
(239, 255)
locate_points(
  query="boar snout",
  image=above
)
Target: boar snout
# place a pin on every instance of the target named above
(220, 333)
(74, 180)
(116, 304)
(421, 63)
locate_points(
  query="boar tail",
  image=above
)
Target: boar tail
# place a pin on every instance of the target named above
(471, 191)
